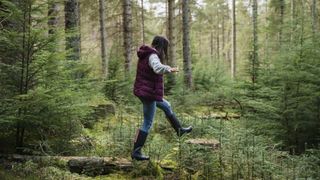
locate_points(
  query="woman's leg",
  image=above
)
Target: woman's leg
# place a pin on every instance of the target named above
(149, 109)
(166, 108)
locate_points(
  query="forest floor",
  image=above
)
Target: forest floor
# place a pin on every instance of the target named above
(219, 147)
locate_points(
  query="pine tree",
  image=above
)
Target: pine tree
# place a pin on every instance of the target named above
(39, 95)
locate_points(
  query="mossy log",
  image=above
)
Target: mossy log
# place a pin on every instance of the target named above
(98, 165)
(225, 116)
(91, 166)
(211, 143)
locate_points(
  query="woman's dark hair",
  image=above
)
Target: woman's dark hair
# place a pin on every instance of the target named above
(161, 45)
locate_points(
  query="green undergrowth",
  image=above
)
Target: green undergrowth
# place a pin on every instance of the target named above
(240, 154)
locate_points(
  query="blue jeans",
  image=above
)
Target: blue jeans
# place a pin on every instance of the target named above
(149, 109)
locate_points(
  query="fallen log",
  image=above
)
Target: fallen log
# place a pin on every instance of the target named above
(98, 165)
(225, 116)
(91, 166)
(211, 143)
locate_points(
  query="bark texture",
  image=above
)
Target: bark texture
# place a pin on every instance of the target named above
(127, 34)
(103, 39)
(186, 44)
(234, 40)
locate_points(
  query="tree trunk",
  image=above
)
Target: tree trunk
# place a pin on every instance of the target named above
(218, 42)
(172, 49)
(186, 45)
(234, 38)
(142, 22)
(266, 42)
(127, 35)
(217, 31)
(200, 41)
(211, 45)
(223, 34)
(72, 28)
(254, 55)
(293, 4)
(103, 38)
(53, 11)
(314, 17)
(282, 4)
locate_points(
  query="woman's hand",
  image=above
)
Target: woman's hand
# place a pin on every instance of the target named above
(174, 69)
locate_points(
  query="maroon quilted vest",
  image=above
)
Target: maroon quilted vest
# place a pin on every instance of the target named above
(148, 84)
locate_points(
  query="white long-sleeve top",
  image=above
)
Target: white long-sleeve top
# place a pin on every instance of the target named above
(157, 66)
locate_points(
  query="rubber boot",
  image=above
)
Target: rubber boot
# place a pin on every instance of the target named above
(177, 125)
(136, 154)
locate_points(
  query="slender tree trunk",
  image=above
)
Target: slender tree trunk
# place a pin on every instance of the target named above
(167, 21)
(218, 32)
(28, 49)
(282, 6)
(103, 38)
(200, 41)
(218, 43)
(293, 4)
(234, 40)
(53, 10)
(172, 48)
(142, 22)
(211, 45)
(218, 38)
(127, 35)
(72, 28)
(255, 42)
(223, 34)
(186, 44)
(314, 17)
(266, 42)
(136, 33)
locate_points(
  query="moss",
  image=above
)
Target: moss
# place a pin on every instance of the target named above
(150, 168)
(168, 164)
(115, 176)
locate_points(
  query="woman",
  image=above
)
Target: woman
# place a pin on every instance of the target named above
(148, 87)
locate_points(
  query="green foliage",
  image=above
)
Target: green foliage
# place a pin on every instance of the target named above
(117, 87)
(285, 96)
(48, 101)
(43, 99)
(30, 170)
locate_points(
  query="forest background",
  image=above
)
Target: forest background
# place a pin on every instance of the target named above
(248, 80)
